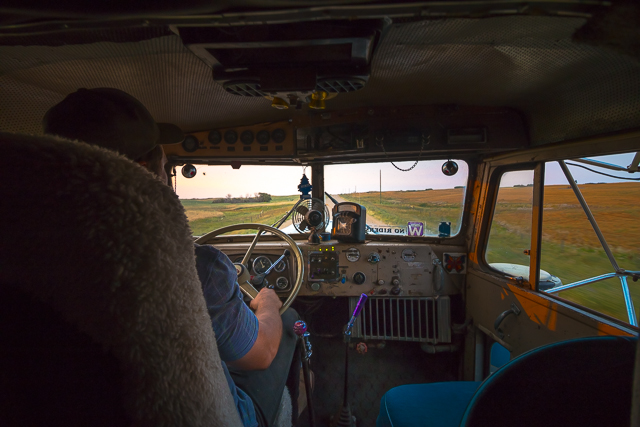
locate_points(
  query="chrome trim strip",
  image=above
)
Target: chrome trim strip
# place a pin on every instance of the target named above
(581, 283)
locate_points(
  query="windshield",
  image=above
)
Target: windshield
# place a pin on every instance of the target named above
(419, 202)
(408, 199)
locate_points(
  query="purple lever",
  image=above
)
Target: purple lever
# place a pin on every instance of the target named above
(356, 312)
(299, 328)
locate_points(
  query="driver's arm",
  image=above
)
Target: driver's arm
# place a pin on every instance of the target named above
(264, 349)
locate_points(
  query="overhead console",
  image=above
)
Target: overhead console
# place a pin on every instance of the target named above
(415, 130)
(364, 133)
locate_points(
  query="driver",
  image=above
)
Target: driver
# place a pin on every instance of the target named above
(257, 349)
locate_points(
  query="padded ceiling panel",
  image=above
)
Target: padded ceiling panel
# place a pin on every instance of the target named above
(165, 76)
(566, 90)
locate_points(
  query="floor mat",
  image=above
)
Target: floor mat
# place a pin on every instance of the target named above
(371, 374)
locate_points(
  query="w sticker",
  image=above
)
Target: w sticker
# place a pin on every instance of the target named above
(415, 228)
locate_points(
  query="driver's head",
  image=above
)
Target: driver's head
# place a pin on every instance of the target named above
(115, 120)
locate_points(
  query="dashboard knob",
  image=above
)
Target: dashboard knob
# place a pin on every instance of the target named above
(359, 278)
(373, 258)
(315, 286)
(395, 290)
(395, 282)
(380, 282)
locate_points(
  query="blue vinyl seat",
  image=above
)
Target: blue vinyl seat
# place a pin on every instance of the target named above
(585, 381)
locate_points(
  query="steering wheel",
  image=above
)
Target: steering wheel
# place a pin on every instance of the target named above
(244, 277)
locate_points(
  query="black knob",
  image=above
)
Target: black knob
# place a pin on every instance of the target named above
(359, 278)
(395, 290)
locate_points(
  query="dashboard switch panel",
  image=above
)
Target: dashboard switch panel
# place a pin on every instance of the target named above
(323, 266)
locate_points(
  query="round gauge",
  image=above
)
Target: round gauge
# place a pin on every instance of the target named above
(214, 137)
(282, 283)
(353, 254)
(263, 137)
(278, 136)
(261, 264)
(190, 144)
(280, 266)
(408, 255)
(230, 137)
(246, 137)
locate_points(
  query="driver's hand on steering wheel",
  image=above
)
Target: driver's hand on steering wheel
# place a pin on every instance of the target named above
(267, 299)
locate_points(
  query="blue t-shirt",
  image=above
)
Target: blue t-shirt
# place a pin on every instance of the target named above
(235, 325)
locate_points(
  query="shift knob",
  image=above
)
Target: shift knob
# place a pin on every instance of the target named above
(299, 328)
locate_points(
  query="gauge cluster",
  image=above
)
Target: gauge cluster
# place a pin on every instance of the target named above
(265, 140)
(279, 275)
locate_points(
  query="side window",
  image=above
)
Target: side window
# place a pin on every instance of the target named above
(510, 234)
(571, 249)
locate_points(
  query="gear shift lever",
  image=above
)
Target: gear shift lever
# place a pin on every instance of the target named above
(344, 417)
(300, 329)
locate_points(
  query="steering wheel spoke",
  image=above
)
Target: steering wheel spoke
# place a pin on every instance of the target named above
(247, 256)
(244, 277)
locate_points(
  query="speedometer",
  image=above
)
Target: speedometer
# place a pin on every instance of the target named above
(261, 264)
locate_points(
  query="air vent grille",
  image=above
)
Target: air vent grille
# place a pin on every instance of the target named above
(420, 319)
(340, 85)
(244, 88)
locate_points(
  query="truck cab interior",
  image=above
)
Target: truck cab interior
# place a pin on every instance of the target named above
(464, 175)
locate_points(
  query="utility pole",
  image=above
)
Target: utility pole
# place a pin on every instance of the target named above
(380, 186)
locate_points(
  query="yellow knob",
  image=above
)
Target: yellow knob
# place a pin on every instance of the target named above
(279, 103)
(317, 100)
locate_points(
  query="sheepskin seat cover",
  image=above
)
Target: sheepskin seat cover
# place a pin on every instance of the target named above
(107, 247)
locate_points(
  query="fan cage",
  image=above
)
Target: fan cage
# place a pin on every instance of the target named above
(311, 204)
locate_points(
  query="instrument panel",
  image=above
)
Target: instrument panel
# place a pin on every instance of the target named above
(266, 140)
(280, 276)
(350, 269)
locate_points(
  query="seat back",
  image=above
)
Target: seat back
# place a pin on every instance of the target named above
(586, 381)
(103, 321)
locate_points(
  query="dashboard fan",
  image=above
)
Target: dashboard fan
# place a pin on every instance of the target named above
(310, 215)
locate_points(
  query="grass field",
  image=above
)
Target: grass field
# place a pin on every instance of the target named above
(205, 216)
(570, 249)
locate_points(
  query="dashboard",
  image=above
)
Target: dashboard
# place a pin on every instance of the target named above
(348, 269)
